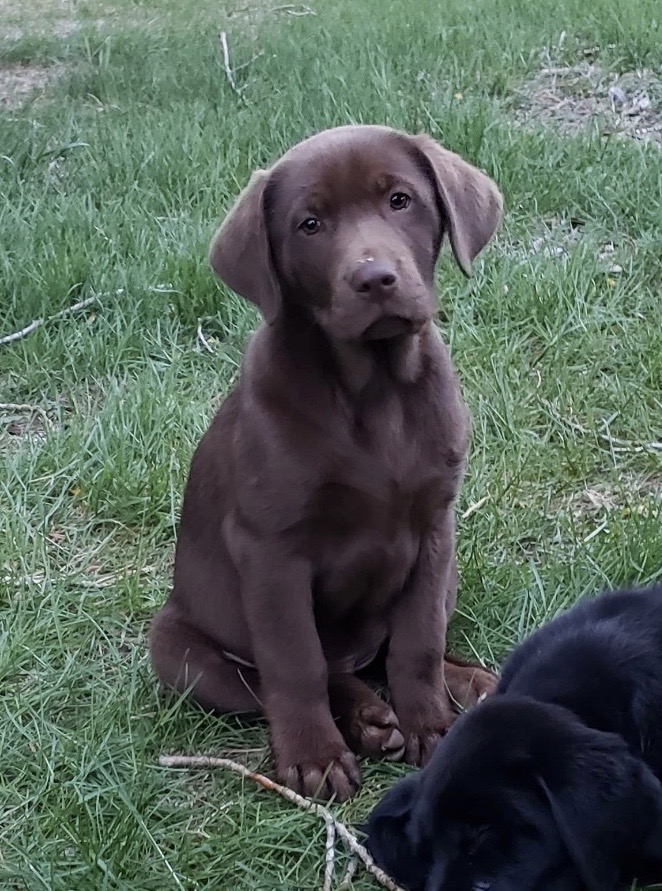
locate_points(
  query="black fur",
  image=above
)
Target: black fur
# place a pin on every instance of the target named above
(553, 783)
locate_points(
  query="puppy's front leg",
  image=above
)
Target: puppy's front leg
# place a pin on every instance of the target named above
(309, 751)
(417, 640)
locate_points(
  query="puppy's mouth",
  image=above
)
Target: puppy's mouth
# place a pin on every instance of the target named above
(391, 326)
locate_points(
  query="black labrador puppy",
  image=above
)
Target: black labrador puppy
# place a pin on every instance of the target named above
(554, 782)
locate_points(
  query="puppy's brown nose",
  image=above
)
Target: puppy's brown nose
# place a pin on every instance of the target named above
(375, 277)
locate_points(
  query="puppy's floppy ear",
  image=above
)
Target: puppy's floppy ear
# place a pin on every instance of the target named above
(240, 254)
(471, 201)
(389, 836)
(608, 812)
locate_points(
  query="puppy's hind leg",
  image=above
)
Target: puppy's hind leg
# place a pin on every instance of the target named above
(185, 659)
(368, 724)
(467, 682)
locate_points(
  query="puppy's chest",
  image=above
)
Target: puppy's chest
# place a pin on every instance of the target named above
(388, 478)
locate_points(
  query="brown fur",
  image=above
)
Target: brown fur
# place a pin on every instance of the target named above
(317, 526)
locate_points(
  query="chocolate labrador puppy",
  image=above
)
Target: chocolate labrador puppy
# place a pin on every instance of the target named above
(317, 525)
(553, 784)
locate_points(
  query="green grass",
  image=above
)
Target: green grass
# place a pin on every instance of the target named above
(112, 183)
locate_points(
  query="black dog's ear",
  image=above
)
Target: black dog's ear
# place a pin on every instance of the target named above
(608, 812)
(389, 837)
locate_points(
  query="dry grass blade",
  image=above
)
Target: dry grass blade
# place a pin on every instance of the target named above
(475, 506)
(202, 340)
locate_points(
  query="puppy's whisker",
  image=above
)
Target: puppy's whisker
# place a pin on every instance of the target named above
(250, 689)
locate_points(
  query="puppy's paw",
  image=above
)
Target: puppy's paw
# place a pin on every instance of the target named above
(372, 729)
(484, 684)
(320, 770)
(419, 746)
(468, 684)
(423, 729)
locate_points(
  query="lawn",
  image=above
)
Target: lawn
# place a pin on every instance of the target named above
(122, 143)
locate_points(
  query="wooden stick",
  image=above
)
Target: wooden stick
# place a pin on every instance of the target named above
(17, 335)
(37, 323)
(330, 853)
(346, 880)
(206, 762)
(290, 9)
(26, 407)
(226, 63)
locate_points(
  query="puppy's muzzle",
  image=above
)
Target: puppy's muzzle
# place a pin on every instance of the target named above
(392, 326)
(375, 278)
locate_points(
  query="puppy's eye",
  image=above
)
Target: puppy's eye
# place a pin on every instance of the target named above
(400, 200)
(310, 226)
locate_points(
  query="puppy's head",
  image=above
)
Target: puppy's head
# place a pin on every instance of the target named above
(521, 796)
(389, 839)
(348, 226)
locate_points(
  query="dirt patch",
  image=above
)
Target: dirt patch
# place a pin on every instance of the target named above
(19, 82)
(65, 18)
(66, 27)
(62, 28)
(17, 18)
(21, 424)
(558, 237)
(578, 98)
(10, 32)
(635, 494)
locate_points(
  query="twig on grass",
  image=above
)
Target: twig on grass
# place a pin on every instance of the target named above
(346, 880)
(615, 443)
(290, 9)
(571, 69)
(475, 506)
(206, 762)
(250, 62)
(226, 64)
(26, 407)
(37, 323)
(596, 532)
(17, 335)
(78, 579)
(329, 858)
(203, 340)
